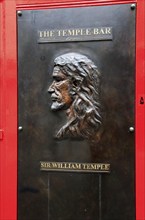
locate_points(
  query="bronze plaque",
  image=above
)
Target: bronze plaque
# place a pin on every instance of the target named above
(76, 71)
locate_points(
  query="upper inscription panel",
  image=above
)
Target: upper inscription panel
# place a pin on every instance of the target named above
(76, 34)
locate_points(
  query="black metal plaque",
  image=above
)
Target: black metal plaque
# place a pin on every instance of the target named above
(76, 70)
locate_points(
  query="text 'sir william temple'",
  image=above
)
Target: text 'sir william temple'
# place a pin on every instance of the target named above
(75, 167)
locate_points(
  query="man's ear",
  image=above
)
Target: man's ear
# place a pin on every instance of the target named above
(77, 81)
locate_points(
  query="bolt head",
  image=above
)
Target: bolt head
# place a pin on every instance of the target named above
(131, 129)
(19, 13)
(20, 128)
(132, 6)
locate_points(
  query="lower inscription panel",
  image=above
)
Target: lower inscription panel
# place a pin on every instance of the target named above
(75, 167)
(76, 71)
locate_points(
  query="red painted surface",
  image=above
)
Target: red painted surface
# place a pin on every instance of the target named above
(67, 3)
(8, 98)
(8, 111)
(140, 112)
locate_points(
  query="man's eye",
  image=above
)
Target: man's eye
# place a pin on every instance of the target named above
(58, 80)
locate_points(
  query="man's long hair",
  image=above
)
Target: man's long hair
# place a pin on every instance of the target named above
(83, 116)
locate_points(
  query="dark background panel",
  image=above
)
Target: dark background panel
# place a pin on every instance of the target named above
(76, 196)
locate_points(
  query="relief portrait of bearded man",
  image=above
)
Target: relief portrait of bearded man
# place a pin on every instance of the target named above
(75, 89)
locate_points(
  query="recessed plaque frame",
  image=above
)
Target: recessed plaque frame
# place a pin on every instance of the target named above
(74, 96)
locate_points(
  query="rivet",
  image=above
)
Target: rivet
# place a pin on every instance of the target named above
(20, 128)
(19, 13)
(132, 6)
(131, 129)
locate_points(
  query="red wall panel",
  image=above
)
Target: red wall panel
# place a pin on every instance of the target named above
(8, 111)
(39, 4)
(140, 111)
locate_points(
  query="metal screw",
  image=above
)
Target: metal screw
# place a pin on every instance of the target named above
(132, 6)
(131, 129)
(20, 128)
(19, 13)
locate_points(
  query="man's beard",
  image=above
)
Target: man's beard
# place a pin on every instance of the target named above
(57, 105)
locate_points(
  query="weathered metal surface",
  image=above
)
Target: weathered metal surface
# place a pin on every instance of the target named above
(50, 196)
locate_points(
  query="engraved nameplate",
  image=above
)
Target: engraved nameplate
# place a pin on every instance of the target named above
(76, 34)
(75, 167)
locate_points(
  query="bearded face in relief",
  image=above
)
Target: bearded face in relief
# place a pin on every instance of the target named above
(60, 90)
(75, 88)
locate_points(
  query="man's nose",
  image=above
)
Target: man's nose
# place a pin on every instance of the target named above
(51, 88)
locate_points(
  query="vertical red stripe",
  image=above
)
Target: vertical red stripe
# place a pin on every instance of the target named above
(140, 111)
(8, 112)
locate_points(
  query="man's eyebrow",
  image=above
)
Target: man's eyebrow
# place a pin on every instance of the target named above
(58, 74)
(56, 77)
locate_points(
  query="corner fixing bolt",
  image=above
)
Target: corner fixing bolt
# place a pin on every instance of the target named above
(133, 6)
(19, 13)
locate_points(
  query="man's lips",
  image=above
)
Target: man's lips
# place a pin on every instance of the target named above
(54, 98)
